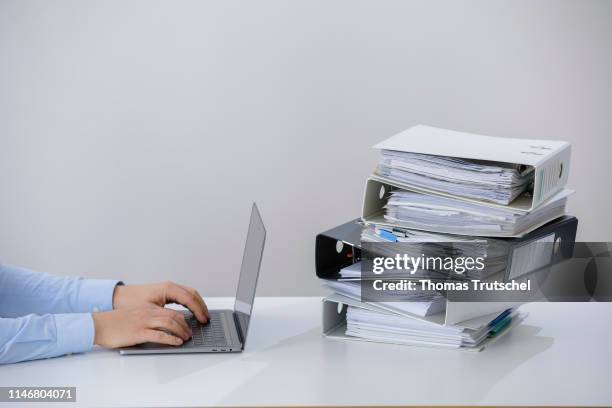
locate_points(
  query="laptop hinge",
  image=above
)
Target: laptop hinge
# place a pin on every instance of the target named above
(238, 328)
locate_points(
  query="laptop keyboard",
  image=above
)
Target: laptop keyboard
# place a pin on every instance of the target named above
(211, 334)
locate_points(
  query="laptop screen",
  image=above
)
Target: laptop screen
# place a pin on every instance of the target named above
(249, 271)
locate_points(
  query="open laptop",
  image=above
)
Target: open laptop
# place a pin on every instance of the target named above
(226, 330)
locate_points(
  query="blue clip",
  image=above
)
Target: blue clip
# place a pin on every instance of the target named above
(387, 235)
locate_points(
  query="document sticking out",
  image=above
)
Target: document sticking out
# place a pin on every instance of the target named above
(448, 215)
(487, 181)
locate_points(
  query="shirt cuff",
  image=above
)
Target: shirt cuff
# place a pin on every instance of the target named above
(96, 295)
(75, 333)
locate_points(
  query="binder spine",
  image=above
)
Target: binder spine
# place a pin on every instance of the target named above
(558, 237)
(337, 248)
(551, 177)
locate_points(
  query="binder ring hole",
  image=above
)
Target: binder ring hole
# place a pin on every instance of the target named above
(339, 246)
(381, 193)
(340, 307)
(560, 169)
(557, 246)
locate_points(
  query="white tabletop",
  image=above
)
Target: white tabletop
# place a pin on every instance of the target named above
(560, 355)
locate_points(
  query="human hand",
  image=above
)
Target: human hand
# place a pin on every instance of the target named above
(160, 294)
(128, 327)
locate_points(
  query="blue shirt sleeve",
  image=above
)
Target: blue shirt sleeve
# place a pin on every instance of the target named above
(46, 316)
(25, 292)
(32, 337)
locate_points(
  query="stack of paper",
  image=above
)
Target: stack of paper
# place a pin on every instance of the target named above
(417, 303)
(444, 214)
(494, 251)
(392, 328)
(355, 272)
(443, 194)
(479, 180)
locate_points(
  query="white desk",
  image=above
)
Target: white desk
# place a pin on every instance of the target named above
(561, 355)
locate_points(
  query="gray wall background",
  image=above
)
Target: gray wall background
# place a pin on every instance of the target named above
(134, 135)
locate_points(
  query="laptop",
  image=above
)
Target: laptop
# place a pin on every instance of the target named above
(226, 330)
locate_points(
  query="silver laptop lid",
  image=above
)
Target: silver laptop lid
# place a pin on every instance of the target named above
(249, 272)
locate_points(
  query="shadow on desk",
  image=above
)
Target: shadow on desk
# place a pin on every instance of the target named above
(171, 367)
(387, 371)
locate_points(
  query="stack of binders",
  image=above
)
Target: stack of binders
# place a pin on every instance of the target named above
(499, 195)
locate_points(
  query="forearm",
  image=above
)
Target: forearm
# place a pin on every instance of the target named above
(24, 292)
(33, 337)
